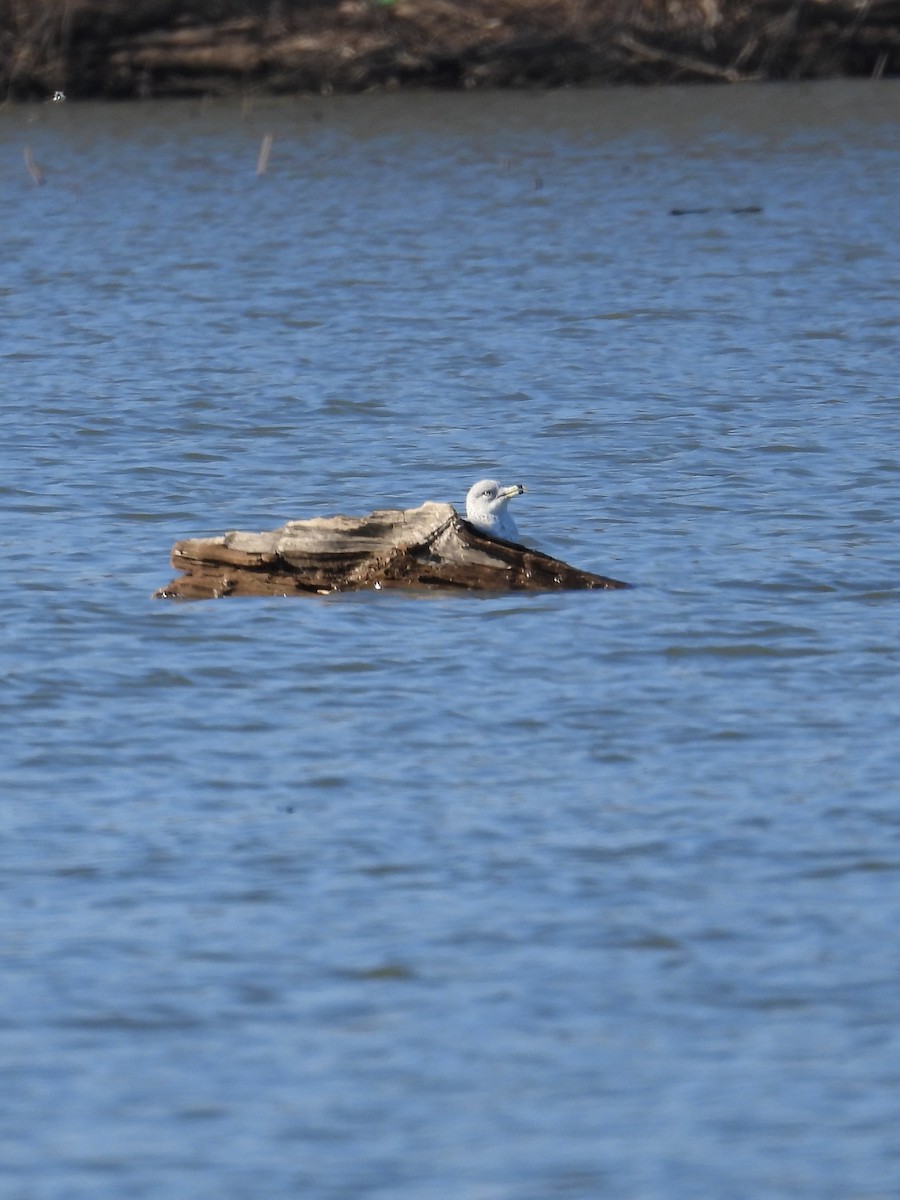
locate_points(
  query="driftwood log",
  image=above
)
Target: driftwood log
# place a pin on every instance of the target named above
(426, 548)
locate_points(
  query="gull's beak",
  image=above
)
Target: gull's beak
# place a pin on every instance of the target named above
(516, 490)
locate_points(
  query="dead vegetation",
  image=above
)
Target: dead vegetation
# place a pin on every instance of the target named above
(140, 48)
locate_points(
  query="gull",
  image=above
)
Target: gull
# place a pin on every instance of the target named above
(486, 503)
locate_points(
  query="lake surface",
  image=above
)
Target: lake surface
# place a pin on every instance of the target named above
(454, 898)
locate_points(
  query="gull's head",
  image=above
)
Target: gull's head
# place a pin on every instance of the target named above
(486, 503)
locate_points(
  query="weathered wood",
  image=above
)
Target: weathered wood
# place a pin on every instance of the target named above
(428, 547)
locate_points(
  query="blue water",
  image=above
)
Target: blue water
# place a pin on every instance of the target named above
(454, 898)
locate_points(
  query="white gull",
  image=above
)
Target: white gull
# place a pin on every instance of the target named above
(486, 508)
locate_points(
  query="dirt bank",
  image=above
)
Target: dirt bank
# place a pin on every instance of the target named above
(145, 48)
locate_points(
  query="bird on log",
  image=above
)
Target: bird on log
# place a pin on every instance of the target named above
(426, 549)
(487, 508)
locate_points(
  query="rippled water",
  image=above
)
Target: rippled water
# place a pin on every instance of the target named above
(455, 898)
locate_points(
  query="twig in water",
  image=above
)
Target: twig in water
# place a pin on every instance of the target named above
(33, 169)
(264, 151)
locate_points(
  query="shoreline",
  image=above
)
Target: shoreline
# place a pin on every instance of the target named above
(110, 49)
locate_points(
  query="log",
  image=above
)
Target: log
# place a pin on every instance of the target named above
(425, 548)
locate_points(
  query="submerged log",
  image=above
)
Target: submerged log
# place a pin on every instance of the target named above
(430, 547)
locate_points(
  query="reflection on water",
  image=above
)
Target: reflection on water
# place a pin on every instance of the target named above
(524, 897)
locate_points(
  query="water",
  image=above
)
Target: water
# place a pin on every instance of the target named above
(459, 898)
